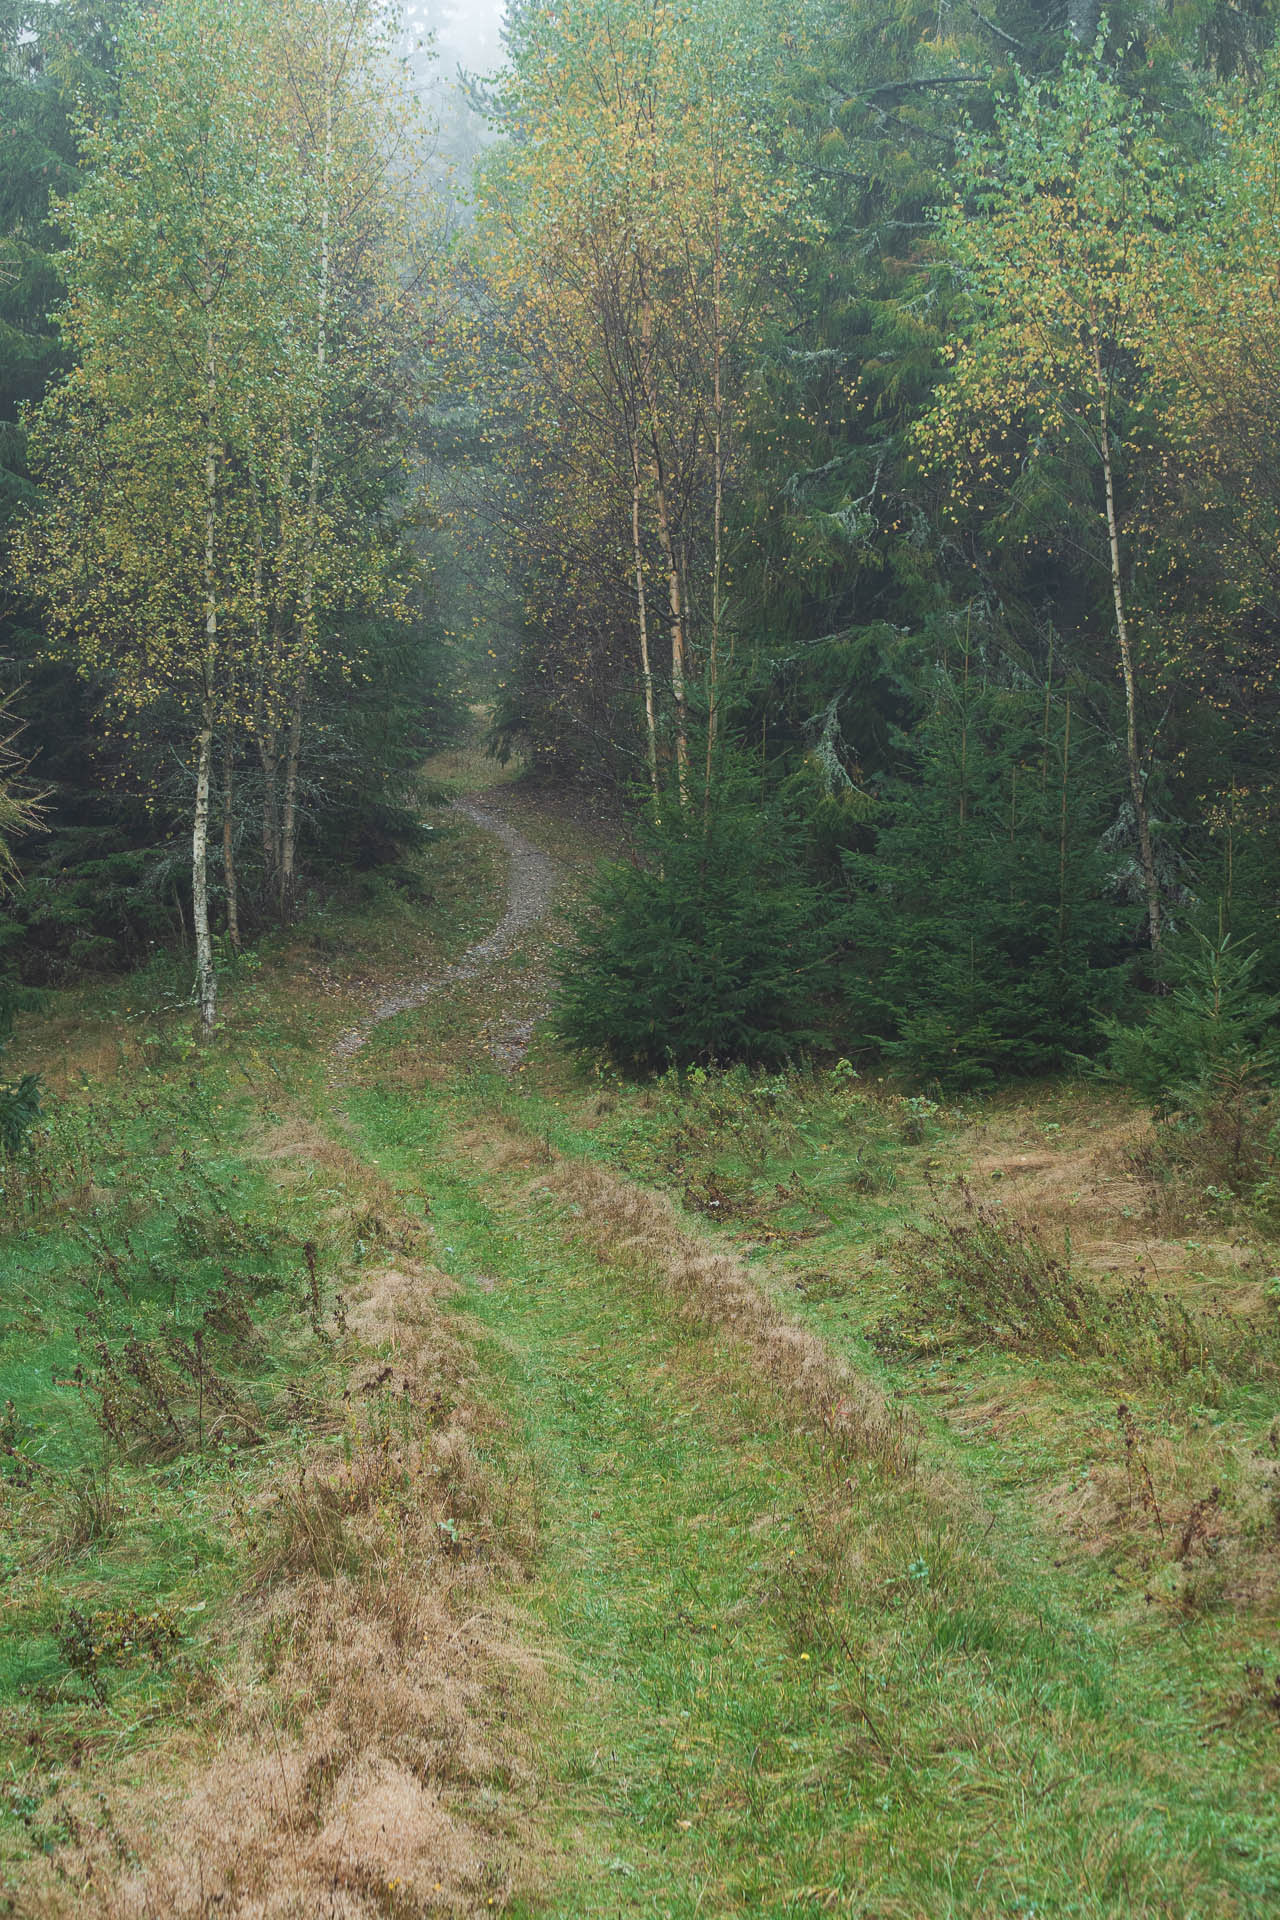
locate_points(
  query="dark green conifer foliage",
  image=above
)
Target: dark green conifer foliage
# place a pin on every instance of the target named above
(84, 902)
(982, 935)
(36, 162)
(1212, 1016)
(20, 1099)
(709, 946)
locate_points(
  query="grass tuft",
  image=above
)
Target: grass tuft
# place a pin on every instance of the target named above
(980, 1276)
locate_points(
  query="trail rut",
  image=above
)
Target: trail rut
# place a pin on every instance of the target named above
(531, 883)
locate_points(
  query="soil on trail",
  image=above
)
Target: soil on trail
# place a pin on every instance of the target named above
(531, 883)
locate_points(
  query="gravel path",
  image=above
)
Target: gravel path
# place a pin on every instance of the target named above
(531, 885)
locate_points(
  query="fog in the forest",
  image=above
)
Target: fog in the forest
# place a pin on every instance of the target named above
(467, 31)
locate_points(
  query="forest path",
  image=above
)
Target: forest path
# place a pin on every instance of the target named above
(793, 1672)
(796, 1669)
(595, 1586)
(532, 877)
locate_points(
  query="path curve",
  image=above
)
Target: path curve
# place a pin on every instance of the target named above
(531, 884)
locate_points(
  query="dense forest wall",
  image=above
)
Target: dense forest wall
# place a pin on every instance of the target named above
(884, 397)
(860, 422)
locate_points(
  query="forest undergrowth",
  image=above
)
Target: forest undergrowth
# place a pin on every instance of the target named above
(445, 1482)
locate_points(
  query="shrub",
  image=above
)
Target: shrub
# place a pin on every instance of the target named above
(707, 948)
(1203, 1058)
(19, 1111)
(1211, 1020)
(982, 933)
(20, 1100)
(116, 1637)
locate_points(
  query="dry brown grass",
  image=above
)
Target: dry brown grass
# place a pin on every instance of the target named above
(1080, 1179)
(363, 1207)
(363, 1759)
(629, 1226)
(1192, 1508)
(1087, 1176)
(367, 1746)
(1185, 1504)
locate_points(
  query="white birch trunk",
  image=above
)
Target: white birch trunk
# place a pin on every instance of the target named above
(206, 978)
(1133, 756)
(642, 618)
(666, 542)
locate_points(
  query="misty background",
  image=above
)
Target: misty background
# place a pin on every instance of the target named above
(467, 31)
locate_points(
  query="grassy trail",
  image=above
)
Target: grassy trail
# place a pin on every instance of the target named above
(792, 1671)
(791, 1683)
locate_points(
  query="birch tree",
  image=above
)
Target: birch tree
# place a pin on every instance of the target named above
(356, 137)
(1054, 236)
(1214, 359)
(183, 251)
(630, 226)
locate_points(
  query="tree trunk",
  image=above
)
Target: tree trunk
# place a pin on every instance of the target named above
(206, 979)
(642, 618)
(667, 543)
(1048, 695)
(964, 730)
(270, 805)
(1062, 828)
(266, 683)
(1082, 21)
(1136, 787)
(717, 440)
(679, 695)
(228, 848)
(289, 822)
(288, 839)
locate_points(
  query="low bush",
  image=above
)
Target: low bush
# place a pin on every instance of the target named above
(19, 1100)
(981, 932)
(1211, 1021)
(1204, 1059)
(116, 1637)
(707, 948)
(771, 1151)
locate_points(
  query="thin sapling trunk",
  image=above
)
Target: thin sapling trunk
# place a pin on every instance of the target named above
(666, 541)
(289, 830)
(206, 979)
(228, 847)
(642, 619)
(1132, 754)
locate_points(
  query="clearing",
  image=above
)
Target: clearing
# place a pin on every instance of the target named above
(439, 1481)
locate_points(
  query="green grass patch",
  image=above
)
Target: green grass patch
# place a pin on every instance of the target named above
(790, 1687)
(170, 1326)
(1036, 1676)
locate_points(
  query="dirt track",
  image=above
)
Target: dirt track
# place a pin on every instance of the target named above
(531, 883)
